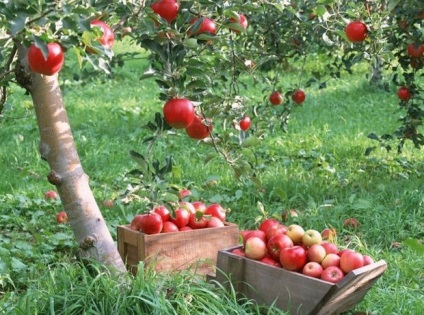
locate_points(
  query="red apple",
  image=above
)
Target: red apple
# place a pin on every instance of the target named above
(62, 217)
(50, 194)
(350, 261)
(415, 50)
(330, 260)
(328, 233)
(368, 260)
(187, 206)
(312, 269)
(252, 233)
(255, 248)
(108, 203)
(267, 223)
(295, 232)
(270, 261)
(151, 223)
(311, 237)
(351, 223)
(216, 210)
(239, 251)
(215, 222)
(344, 251)
(199, 206)
(332, 274)
(276, 244)
(163, 212)
(185, 228)
(330, 248)
(316, 253)
(184, 193)
(274, 230)
(169, 227)
(293, 258)
(135, 222)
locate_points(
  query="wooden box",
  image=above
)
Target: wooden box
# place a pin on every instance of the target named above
(195, 249)
(295, 292)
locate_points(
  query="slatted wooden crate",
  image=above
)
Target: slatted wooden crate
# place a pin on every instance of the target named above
(295, 292)
(195, 249)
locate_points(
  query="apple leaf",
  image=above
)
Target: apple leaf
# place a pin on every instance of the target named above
(415, 245)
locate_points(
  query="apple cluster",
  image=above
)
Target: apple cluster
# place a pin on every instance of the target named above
(309, 252)
(185, 216)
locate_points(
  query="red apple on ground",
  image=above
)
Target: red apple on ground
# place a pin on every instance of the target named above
(295, 232)
(328, 233)
(255, 248)
(350, 261)
(312, 269)
(316, 253)
(62, 217)
(293, 258)
(108, 203)
(330, 260)
(351, 223)
(332, 274)
(311, 237)
(276, 244)
(287, 214)
(50, 195)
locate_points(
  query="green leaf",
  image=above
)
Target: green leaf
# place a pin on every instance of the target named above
(250, 142)
(17, 265)
(18, 24)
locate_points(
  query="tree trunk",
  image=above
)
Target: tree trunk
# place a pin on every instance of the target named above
(57, 147)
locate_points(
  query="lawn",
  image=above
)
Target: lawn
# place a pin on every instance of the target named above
(318, 168)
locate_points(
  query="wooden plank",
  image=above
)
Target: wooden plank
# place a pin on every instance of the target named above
(351, 289)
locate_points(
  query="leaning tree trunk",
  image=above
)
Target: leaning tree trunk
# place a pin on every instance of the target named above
(57, 147)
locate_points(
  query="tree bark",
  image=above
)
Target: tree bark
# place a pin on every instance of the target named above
(58, 148)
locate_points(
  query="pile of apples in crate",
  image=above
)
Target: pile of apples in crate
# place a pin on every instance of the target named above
(309, 252)
(186, 216)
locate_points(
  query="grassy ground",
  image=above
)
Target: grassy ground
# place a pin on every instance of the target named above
(318, 168)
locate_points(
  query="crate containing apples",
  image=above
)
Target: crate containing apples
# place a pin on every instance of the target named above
(189, 238)
(303, 272)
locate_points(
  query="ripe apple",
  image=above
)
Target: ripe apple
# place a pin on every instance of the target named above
(344, 251)
(201, 26)
(316, 253)
(48, 65)
(356, 31)
(332, 274)
(276, 98)
(368, 260)
(199, 206)
(50, 194)
(184, 193)
(199, 129)
(167, 9)
(276, 244)
(241, 23)
(239, 251)
(330, 260)
(169, 227)
(287, 214)
(267, 223)
(295, 232)
(312, 269)
(216, 210)
(163, 212)
(255, 248)
(404, 93)
(108, 37)
(415, 50)
(187, 206)
(270, 261)
(351, 223)
(311, 237)
(328, 233)
(107, 203)
(62, 217)
(151, 223)
(330, 248)
(245, 123)
(293, 258)
(185, 228)
(215, 222)
(178, 113)
(298, 96)
(275, 230)
(350, 261)
(246, 234)
(181, 218)
(136, 222)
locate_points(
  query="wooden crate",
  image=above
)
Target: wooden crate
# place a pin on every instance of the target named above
(195, 249)
(295, 292)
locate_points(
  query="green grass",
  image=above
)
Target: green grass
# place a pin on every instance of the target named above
(318, 168)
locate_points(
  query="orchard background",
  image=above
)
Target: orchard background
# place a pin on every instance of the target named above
(352, 149)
